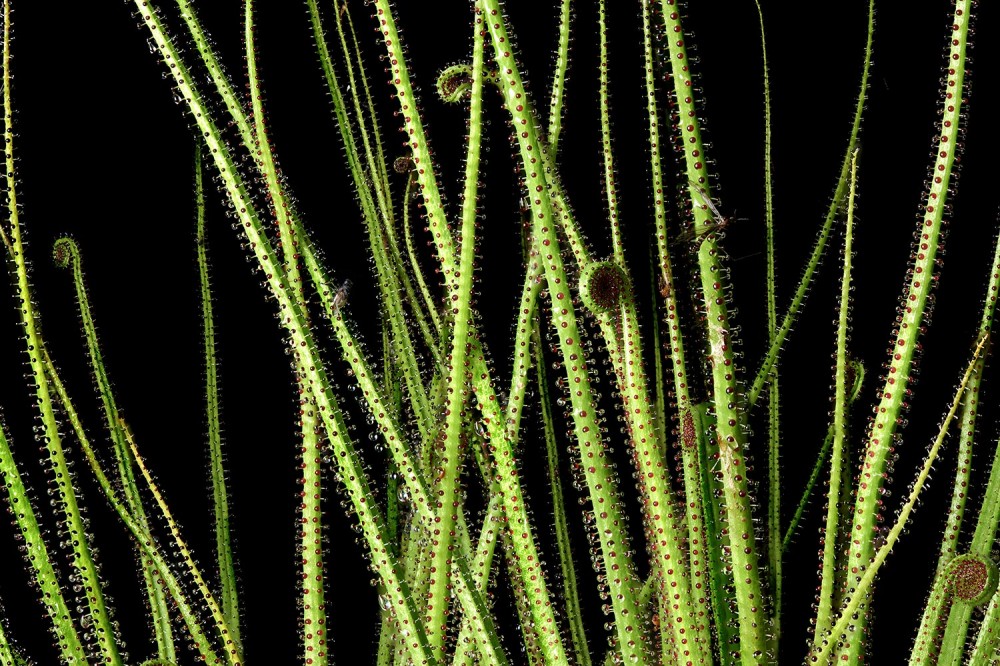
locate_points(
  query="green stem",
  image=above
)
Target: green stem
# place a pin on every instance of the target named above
(858, 375)
(988, 641)
(71, 525)
(774, 551)
(902, 363)
(67, 255)
(301, 339)
(220, 495)
(310, 533)
(232, 649)
(698, 533)
(822, 648)
(37, 557)
(830, 535)
(446, 487)
(928, 641)
(621, 579)
(931, 624)
(730, 419)
(190, 614)
(604, 104)
(559, 77)
(840, 191)
(571, 593)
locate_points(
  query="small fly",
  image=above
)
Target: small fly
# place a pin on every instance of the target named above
(719, 222)
(340, 298)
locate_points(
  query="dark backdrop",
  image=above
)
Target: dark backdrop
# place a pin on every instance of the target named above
(105, 155)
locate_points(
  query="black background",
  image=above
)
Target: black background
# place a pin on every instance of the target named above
(105, 155)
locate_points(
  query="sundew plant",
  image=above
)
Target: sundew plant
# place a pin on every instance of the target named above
(399, 355)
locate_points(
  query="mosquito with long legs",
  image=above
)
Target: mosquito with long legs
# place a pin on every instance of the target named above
(718, 223)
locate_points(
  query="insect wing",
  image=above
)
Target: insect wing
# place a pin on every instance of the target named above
(686, 236)
(707, 201)
(718, 221)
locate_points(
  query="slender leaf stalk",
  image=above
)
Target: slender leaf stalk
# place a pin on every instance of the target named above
(447, 482)
(190, 614)
(823, 648)
(37, 556)
(730, 420)
(824, 612)
(228, 592)
(71, 524)
(67, 255)
(840, 191)
(712, 586)
(882, 435)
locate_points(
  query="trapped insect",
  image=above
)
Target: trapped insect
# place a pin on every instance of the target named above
(719, 222)
(340, 298)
